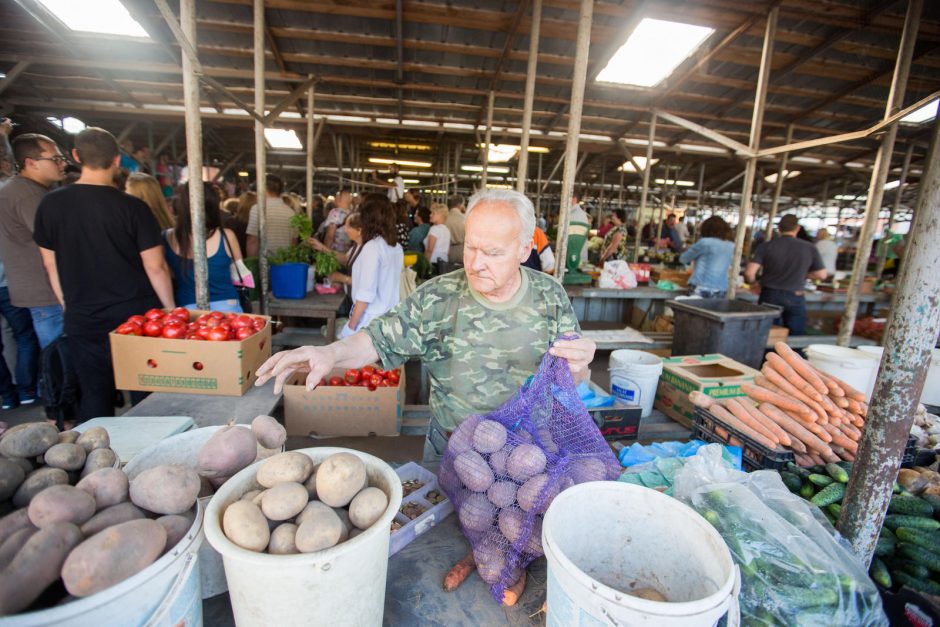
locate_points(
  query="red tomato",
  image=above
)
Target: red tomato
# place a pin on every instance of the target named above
(353, 376)
(368, 371)
(203, 332)
(394, 376)
(193, 336)
(242, 321)
(192, 326)
(153, 328)
(372, 388)
(218, 334)
(138, 320)
(154, 314)
(336, 381)
(323, 382)
(218, 315)
(364, 382)
(244, 332)
(128, 329)
(375, 380)
(212, 323)
(386, 384)
(202, 320)
(181, 311)
(174, 331)
(258, 323)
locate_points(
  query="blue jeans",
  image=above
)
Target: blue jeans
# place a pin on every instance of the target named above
(793, 316)
(27, 352)
(229, 304)
(704, 292)
(48, 322)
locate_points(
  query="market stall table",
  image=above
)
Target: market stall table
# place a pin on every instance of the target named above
(832, 301)
(208, 410)
(318, 306)
(595, 304)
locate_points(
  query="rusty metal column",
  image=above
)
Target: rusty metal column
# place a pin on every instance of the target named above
(910, 335)
(261, 155)
(523, 169)
(902, 180)
(578, 80)
(310, 148)
(197, 200)
(646, 186)
(879, 172)
(778, 187)
(757, 121)
(491, 99)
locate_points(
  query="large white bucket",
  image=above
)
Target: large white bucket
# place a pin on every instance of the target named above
(634, 377)
(655, 542)
(165, 594)
(855, 367)
(931, 393)
(344, 585)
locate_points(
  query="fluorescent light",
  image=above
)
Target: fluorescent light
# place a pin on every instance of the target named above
(854, 164)
(498, 169)
(922, 114)
(498, 186)
(347, 118)
(787, 174)
(108, 17)
(410, 181)
(413, 164)
(2, 75)
(69, 124)
(715, 150)
(281, 138)
(806, 159)
(653, 51)
(640, 161)
(541, 149)
(243, 174)
(459, 126)
(500, 153)
(595, 138)
(674, 182)
(850, 197)
(394, 146)
(427, 123)
(892, 185)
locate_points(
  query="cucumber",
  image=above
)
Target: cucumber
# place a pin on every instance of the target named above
(910, 506)
(920, 555)
(912, 568)
(934, 501)
(879, 573)
(798, 596)
(921, 585)
(885, 546)
(800, 472)
(817, 469)
(893, 521)
(793, 482)
(832, 493)
(887, 533)
(837, 472)
(925, 539)
(807, 491)
(820, 481)
(835, 509)
(846, 466)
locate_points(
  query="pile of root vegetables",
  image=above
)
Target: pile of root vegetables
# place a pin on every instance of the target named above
(794, 406)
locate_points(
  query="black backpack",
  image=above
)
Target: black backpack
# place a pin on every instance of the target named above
(60, 388)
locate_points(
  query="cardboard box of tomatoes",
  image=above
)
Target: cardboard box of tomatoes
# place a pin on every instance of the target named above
(190, 351)
(354, 402)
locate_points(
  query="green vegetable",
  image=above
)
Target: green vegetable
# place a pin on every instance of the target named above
(800, 596)
(926, 539)
(910, 506)
(302, 224)
(915, 569)
(885, 546)
(893, 521)
(820, 480)
(838, 473)
(887, 533)
(923, 585)
(800, 472)
(792, 481)
(879, 573)
(835, 509)
(832, 493)
(326, 264)
(920, 555)
(807, 490)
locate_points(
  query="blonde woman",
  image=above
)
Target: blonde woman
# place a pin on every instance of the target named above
(147, 188)
(437, 243)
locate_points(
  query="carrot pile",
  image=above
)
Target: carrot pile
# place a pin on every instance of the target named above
(792, 405)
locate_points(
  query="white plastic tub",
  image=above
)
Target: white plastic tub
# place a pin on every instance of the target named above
(634, 377)
(931, 392)
(855, 367)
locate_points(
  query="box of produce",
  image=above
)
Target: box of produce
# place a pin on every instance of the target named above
(660, 273)
(424, 505)
(755, 455)
(714, 375)
(354, 402)
(190, 352)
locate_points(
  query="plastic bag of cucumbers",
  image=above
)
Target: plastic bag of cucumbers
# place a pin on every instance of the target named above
(793, 570)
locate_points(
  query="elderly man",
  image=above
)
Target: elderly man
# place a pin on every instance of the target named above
(480, 331)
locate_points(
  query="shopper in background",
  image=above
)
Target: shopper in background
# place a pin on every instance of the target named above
(616, 241)
(828, 250)
(711, 256)
(277, 220)
(420, 232)
(334, 235)
(27, 352)
(147, 188)
(437, 243)
(456, 225)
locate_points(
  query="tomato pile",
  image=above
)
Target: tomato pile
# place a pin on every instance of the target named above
(367, 377)
(178, 324)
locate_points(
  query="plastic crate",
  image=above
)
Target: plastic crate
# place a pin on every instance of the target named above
(411, 529)
(755, 456)
(733, 328)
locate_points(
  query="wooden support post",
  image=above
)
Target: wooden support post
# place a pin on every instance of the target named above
(644, 192)
(491, 98)
(261, 154)
(778, 188)
(532, 68)
(311, 147)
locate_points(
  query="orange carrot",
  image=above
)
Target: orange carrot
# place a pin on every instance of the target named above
(840, 401)
(851, 430)
(512, 593)
(789, 390)
(762, 395)
(834, 389)
(782, 436)
(847, 389)
(830, 457)
(741, 413)
(459, 572)
(794, 427)
(701, 400)
(779, 364)
(817, 460)
(804, 461)
(840, 439)
(802, 367)
(732, 421)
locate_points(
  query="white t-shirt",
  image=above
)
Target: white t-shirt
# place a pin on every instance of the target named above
(829, 251)
(376, 279)
(398, 192)
(441, 243)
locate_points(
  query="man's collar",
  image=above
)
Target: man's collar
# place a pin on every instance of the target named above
(33, 181)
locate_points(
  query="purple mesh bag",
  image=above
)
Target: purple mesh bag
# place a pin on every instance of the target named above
(502, 470)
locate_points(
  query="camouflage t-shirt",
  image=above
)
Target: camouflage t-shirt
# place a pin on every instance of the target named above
(477, 353)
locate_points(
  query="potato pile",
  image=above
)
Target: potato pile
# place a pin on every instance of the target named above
(297, 507)
(233, 448)
(74, 517)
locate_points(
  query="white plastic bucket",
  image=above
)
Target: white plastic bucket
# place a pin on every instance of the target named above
(165, 594)
(634, 377)
(855, 367)
(344, 585)
(931, 392)
(656, 542)
(183, 449)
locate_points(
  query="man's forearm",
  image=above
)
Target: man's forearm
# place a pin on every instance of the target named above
(355, 351)
(162, 284)
(252, 244)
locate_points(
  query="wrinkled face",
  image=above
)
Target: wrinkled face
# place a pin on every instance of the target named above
(49, 167)
(492, 251)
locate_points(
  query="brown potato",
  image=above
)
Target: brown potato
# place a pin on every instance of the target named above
(65, 456)
(61, 503)
(250, 495)
(11, 476)
(284, 501)
(111, 516)
(176, 527)
(12, 545)
(111, 556)
(245, 525)
(99, 458)
(347, 524)
(290, 466)
(229, 450)
(27, 465)
(69, 437)
(311, 484)
(367, 507)
(28, 440)
(167, 489)
(94, 438)
(269, 432)
(36, 482)
(339, 478)
(311, 510)
(36, 566)
(13, 522)
(109, 486)
(282, 540)
(322, 530)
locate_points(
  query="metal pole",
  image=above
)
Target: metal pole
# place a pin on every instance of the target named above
(620, 192)
(310, 150)
(574, 130)
(261, 155)
(701, 183)
(538, 189)
(757, 120)
(879, 172)
(661, 214)
(523, 170)
(646, 186)
(197, 201)
(910, 335)
(778, 187)
(491, 99)
(883, 255)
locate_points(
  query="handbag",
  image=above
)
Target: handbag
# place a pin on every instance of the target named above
(242, 278)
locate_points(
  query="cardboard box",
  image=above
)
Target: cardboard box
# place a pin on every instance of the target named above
(679, 277)
(333, 411)
(714, 375)
(777, 334)
(156, 364)
(618, 422)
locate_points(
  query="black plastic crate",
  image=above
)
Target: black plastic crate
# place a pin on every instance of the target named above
(755, 456)
(914, 456)
(733, 328)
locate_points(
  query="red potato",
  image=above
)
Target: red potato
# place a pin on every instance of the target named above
(59, 504)
(12, 545)
(108, 486)
(167, 489)
(473, 471)
(111, 516)
(113, 555)
(36, 482)
(36, 566)
(229, 450)
(269, 432)
(176, 528)
(476, 513)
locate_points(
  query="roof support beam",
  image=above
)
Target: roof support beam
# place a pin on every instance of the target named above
(739, 148)
(522, 171)
(288, 100)
(12, 75)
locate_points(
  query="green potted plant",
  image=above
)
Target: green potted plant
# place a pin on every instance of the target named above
(290, 265)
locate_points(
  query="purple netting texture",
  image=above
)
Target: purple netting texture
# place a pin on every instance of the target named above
(502, 470)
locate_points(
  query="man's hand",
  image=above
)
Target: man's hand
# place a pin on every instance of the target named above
(578, 353)
(318, 360)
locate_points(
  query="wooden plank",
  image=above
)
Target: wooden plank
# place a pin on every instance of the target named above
(208, 410)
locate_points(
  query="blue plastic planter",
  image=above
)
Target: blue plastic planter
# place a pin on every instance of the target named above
(289, 280)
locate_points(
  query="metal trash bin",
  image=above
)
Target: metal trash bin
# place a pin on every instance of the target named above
(733, 328)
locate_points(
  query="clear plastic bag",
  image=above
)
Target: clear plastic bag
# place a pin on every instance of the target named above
(794, 571)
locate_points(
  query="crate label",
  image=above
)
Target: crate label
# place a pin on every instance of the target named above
(725, 391)
(424, 525)
(678, 382)
(192, 383)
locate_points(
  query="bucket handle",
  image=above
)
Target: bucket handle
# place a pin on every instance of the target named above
(159, 615)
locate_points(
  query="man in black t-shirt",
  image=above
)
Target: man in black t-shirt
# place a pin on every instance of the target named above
(786, 262)
(104, 255)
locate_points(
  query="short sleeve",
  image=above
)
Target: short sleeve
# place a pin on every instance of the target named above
(42, 231)
(252, 227)
(817, 263)
(398, 336)
(365, 275)
(146, 229)
(758, 256)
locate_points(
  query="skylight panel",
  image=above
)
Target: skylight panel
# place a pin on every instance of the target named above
(922, 114)
(653, 51)
(280, 138)
(107, 17)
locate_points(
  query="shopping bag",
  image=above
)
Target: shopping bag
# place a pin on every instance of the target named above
(618, 275)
